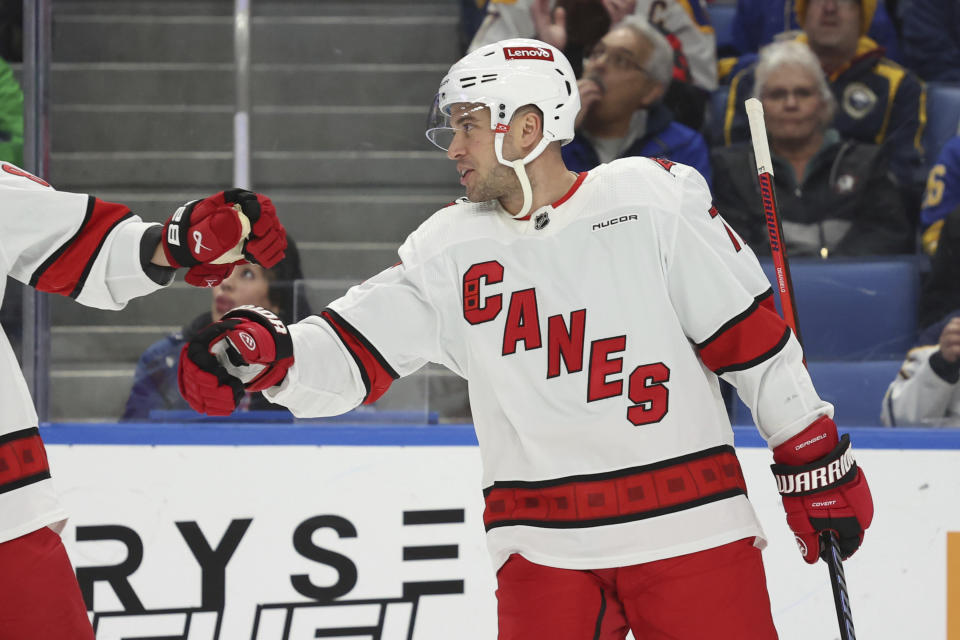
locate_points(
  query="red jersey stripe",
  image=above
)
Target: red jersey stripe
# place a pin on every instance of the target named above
(619, 496)
(377, 374)
(746, 340)
(66, 270)
(23, 459)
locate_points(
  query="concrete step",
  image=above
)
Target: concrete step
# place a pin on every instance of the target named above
(96, 391)
(210, 128)
(273, 84)
(208, 171)
(274, 39)
(99, 392)
(333, 215)
(79, 344)
(346, 260)
(172, 307)
(258, 7)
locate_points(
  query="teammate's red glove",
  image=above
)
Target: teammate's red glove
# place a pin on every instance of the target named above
(823, 489)
(268, 239)
(258, 350)
(212, 235)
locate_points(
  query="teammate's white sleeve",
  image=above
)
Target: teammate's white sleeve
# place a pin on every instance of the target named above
(918, 396)
(741, 340)
(71, 244)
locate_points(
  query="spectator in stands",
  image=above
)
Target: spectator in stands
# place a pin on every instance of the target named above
(472, 13)
(925, 392)
(931, 39)
(879, 101)
(621, 113)
(942, 194)
(575, 26)
(835, 197)
(155, 379)
(757, 23)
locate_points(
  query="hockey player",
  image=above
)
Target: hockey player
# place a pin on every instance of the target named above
(592, 315)
(102, 255)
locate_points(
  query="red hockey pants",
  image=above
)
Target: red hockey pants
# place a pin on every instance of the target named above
(716, 594)
(39, 595)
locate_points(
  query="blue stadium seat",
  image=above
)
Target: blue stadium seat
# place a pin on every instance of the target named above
(855, 389)
(855, 309)
(943, 117)
(721, 16)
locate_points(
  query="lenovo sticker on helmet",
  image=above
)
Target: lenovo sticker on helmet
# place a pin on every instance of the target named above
(527, 53)
(502, 128)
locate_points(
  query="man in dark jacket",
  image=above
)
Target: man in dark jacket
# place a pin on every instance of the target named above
(835, 197)
(879, 101)
(621, 114)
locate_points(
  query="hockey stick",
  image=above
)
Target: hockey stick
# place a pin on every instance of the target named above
(829, 551)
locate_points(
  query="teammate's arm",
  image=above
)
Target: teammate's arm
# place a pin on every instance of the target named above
(103, 255)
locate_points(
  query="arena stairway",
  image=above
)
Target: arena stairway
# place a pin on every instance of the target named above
(142, 96)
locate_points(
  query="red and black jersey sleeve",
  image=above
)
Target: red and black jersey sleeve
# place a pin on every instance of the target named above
(376, 372)
(23, 459)
(65, 271)
(746, 340)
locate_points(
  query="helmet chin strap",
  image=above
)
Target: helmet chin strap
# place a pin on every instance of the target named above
(519, 168)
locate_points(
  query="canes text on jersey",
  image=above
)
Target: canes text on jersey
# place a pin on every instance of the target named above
(566, 342)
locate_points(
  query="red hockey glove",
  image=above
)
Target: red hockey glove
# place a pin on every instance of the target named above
(268, 239)
(258, 349)
(212, 235)
(823, 489)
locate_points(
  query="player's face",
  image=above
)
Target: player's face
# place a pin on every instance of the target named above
(833, 24)
(617, 64)
(472, 149)
(248, 284)
(792, 104)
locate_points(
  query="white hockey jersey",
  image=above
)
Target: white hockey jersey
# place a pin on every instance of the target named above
(71, 244)
(591, 335)
(688, 20)
(918, 396)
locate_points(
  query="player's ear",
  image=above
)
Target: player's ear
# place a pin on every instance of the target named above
(531, 128)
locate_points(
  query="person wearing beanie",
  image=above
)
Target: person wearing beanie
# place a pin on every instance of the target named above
(155, 378)
(879, 101)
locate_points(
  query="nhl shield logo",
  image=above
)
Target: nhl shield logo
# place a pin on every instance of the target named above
(541, 221)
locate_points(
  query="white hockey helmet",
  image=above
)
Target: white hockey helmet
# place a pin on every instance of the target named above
(503, 77)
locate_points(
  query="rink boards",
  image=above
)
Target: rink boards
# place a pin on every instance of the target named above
(291, 532)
